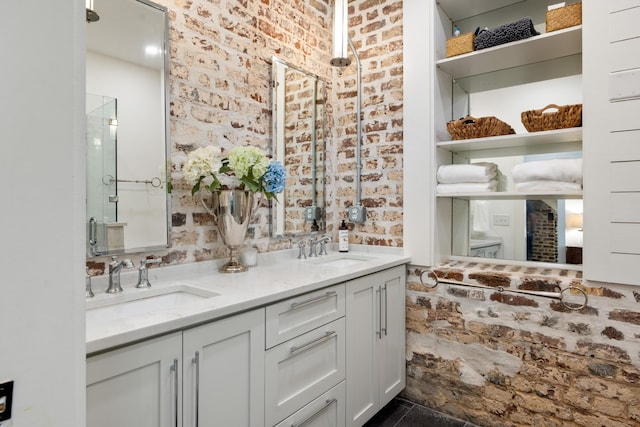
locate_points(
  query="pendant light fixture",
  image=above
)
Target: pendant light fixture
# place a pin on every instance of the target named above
(340, 34)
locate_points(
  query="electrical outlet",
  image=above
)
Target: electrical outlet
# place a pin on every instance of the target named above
(357, 214)
(6, 398)
(501, 220)
(311, 213)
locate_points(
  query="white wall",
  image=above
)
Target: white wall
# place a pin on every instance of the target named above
(42, 219)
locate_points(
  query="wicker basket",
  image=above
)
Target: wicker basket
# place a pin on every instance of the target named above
(564, 17)
(460, 44)
(482, 127)
(567, 116)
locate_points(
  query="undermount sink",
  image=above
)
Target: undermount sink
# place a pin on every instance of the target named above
(340, 260)
(141, 301)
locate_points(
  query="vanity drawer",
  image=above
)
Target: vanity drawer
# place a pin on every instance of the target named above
(295, 316)
(327, 410)
(301, 369)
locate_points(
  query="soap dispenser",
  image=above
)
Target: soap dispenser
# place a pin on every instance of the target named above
(343, 237)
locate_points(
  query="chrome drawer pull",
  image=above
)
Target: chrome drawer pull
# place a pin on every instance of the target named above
(386, 308)
(314, 299)
(315, 414)
(174, 369)
(312, 342)
(196, 361)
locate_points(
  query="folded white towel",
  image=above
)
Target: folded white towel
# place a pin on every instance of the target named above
(548, 186)
(567, 170)
(475, 172)
(468, 187)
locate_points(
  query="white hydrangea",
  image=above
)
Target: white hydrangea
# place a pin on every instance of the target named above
(203, 161)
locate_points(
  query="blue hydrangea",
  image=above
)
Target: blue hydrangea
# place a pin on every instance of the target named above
(274, 178)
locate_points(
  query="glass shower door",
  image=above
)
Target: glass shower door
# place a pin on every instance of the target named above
(102, 196)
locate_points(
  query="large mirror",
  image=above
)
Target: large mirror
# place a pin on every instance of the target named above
(299, 108)
(127, 128)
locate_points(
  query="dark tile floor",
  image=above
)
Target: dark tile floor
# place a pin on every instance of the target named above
(402, 413)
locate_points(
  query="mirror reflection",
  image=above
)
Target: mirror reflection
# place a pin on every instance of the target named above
(545, 230)
(126, 134)
(299, 108)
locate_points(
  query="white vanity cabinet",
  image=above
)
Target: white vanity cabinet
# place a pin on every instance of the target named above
(331, 357)
(213, 373)
(376, 367)
(136, 386)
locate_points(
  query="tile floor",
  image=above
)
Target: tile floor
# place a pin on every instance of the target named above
(403, 413)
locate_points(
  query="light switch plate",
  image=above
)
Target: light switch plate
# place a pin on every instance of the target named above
(311, 213)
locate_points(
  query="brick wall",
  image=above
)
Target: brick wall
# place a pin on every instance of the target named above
(512, 359)
(375, 26)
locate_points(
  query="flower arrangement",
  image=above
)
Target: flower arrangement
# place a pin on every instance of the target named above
(245, 168)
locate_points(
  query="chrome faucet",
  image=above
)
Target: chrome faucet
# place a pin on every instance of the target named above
(313, 243)
(323, 244)
(88, 293)
(114, 273)
(143, 272)
(301, 254)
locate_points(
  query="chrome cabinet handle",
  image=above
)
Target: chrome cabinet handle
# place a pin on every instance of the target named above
(313, 299)
(93, 232)
(379, 296)
(312, 342)
(315, 414)
(386, 307)
(196, 361)
(174, 369)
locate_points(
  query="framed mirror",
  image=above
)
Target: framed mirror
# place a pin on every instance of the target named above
(128, 203)
(299, 109)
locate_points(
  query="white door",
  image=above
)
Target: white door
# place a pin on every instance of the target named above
(224, 372)
(136, 386)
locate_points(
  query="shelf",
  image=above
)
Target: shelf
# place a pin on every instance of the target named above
(512, 195)
(519, 144)
(535, 49)
(457, 10)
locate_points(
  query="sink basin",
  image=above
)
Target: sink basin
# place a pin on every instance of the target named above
(135, 302)
(338, 261)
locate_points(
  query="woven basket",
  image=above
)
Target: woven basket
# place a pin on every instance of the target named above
(567, 116)
(481, 127)
(460, 44)
(564, 17)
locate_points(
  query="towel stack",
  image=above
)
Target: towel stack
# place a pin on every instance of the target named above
(563, 175)
(467, 178)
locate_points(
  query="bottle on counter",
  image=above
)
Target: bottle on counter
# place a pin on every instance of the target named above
(343, 237)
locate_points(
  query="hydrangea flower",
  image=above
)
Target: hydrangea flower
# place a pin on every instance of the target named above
(201, 163)
(274, 178)
(245, 167)
(248, 162)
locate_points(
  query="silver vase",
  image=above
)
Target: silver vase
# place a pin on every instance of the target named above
(231, 210)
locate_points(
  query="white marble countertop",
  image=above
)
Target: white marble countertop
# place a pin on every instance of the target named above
(278, 275)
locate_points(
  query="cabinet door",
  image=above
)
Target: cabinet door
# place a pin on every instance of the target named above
(392, 368)
(136, 386)
(363, 301)
(224, 372)
(376, 367)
